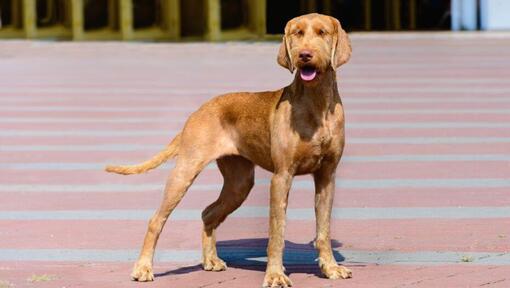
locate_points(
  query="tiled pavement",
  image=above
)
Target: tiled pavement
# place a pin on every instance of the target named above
(423, 197)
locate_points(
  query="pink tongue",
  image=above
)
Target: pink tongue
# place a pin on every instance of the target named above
(308, 75)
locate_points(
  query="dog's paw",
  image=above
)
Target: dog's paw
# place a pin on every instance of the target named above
(214, 264)
(142, 272)
(336, 271)
(276, 279)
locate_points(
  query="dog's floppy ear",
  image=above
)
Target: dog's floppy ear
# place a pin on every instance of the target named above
(341, 46)
(284, 55)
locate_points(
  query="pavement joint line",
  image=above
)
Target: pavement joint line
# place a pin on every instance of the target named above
(346, 100)
(297, 184)
(432, 111)
(86, 133)
(367, 111)
(256, 256)
(428, 140)
(166, 132)
(305, 214)
(352, 140)
(349, 125)
(72, 166)
(426, 125)
(214, 91)
(74, 148)
(130, 120)
(121, 91)
(346, 79)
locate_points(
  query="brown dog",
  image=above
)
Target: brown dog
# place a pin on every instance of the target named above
(296, 130)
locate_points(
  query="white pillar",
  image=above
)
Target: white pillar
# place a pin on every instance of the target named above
(494, 14)
(464, 15)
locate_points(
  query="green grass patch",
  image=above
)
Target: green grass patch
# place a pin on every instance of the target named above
(41, 278)
(467, 259)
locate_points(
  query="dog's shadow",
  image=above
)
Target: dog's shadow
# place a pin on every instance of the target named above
(250, 254)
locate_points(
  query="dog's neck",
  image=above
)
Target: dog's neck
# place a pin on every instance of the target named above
(321, 96)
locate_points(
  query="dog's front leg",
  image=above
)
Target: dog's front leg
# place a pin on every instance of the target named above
(324, 192)
(275, 276)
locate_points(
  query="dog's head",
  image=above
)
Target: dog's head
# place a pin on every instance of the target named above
(312, 43)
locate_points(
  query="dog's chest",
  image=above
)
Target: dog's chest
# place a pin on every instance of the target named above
(310, 154)
(303, 140)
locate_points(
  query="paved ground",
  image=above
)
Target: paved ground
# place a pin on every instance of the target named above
(424, 187)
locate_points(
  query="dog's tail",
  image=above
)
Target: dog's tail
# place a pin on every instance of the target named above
(170, 151)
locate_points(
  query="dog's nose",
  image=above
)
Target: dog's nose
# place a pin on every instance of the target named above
(305, 55)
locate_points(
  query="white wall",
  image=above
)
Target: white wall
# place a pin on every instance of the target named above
(495, 14)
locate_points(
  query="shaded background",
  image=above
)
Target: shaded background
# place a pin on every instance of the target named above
(207, 19)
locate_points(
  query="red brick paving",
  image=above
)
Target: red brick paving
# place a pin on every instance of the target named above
(132, 75)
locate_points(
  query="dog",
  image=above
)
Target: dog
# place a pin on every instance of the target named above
(296, 130)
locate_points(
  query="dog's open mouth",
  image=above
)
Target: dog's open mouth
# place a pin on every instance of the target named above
(308, 73)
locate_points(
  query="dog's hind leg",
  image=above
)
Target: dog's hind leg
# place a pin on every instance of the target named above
(238, 175)
(190, 163)
(202, 141)
(177, 184)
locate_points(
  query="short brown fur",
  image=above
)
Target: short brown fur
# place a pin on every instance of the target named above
(295, 130)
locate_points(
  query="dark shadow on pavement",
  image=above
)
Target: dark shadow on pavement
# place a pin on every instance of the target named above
(180, 270)
(250, 254)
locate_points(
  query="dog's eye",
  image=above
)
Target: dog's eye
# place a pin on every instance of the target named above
(321, 32)
(299, 32)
